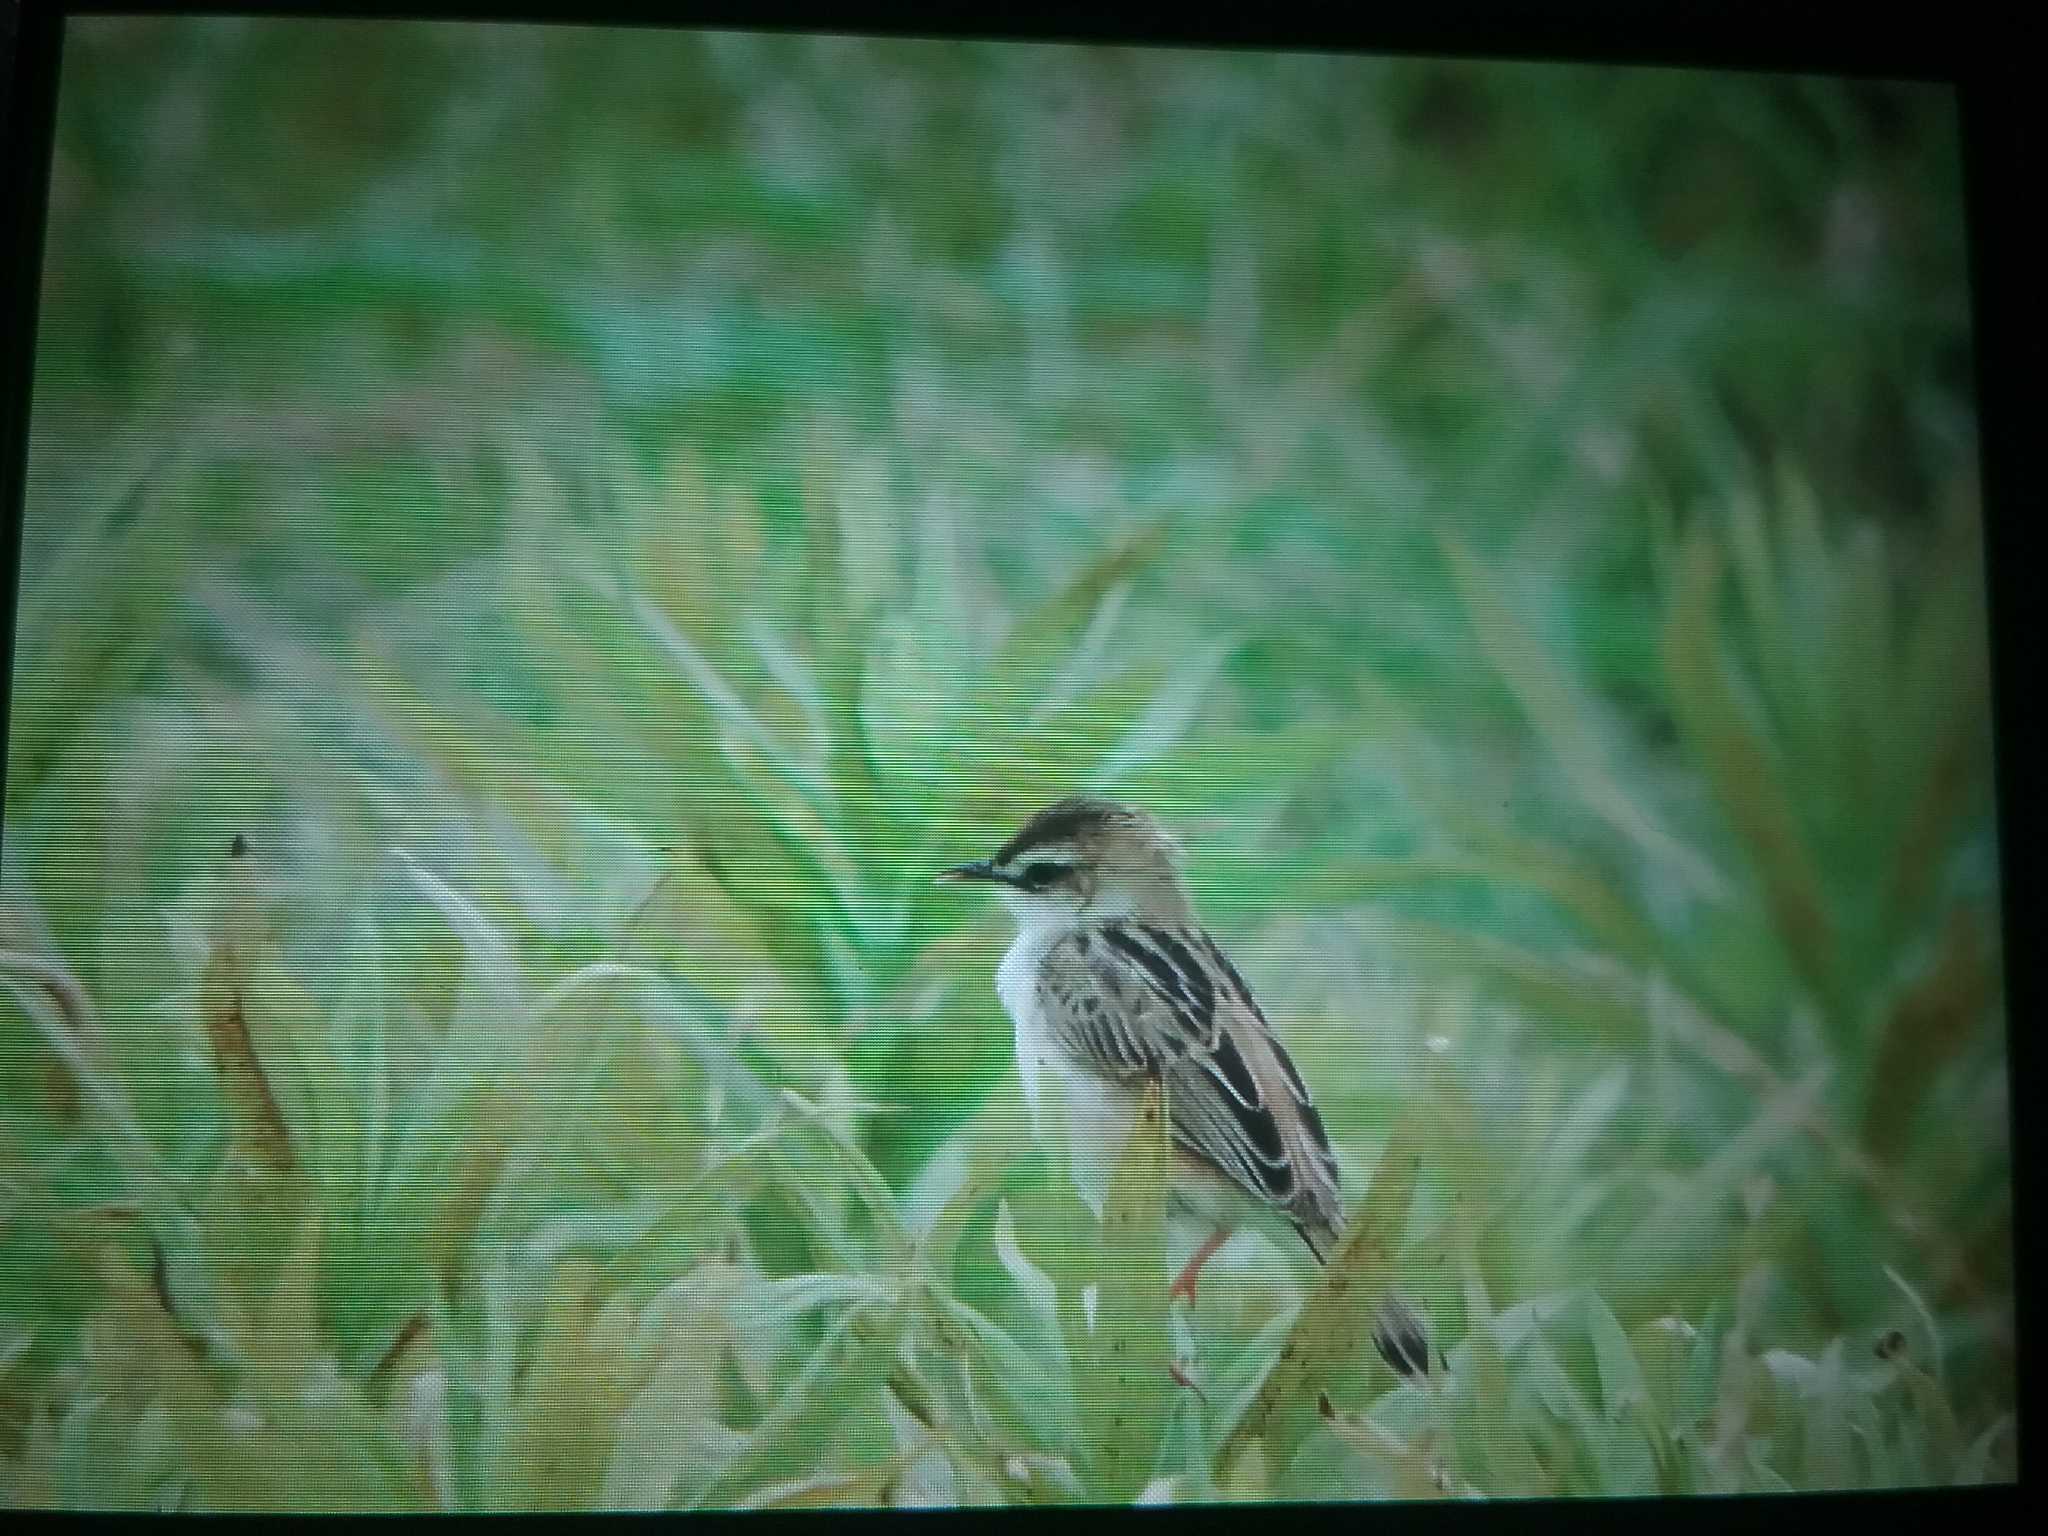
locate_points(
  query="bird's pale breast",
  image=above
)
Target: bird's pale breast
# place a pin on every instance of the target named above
(1099, 1112)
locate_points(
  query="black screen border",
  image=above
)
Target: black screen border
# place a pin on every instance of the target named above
(1961, 46)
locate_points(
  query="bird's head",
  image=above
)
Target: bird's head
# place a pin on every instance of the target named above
(1085, 859)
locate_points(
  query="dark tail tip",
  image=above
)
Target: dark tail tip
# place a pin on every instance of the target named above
(1401, 1335)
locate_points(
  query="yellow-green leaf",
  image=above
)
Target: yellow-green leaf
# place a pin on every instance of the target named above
(1410, 1471)
(850, 1364)
(1335, 1323)
(584, 1374)
(1121, 1375)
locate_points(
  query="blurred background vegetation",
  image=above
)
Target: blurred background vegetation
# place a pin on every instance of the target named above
(539, 542)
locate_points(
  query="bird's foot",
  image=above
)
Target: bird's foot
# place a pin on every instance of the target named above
(1183, 1287)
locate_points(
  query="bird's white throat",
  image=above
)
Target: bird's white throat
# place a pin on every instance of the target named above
(1017, 986)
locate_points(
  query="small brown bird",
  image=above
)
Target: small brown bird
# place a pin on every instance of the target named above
(1112, 982)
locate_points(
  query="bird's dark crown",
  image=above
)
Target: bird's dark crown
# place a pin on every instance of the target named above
(1064, 821)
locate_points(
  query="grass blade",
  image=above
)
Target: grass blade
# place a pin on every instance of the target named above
(836, 1382)
(1120, 1358)
(1335, 1323)
(1751, 788)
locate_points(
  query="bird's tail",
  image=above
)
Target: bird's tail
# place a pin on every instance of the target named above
(1400, 1332)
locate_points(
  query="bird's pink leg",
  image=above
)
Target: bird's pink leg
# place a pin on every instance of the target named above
(1184, 1286)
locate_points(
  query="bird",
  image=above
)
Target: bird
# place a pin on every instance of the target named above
(1112, 982)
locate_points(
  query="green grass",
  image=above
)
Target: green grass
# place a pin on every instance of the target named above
(602, 520)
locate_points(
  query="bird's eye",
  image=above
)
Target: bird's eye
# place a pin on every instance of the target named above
(1037, 876)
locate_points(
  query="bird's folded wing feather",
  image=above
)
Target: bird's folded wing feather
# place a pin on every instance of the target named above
(1133, 1001)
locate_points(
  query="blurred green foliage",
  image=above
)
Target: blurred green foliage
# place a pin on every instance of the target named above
(602, 517)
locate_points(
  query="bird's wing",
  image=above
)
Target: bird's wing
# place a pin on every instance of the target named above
(1131, 1000)
(1107, 1013)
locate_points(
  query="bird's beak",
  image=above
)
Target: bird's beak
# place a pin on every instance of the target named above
(979, 869)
